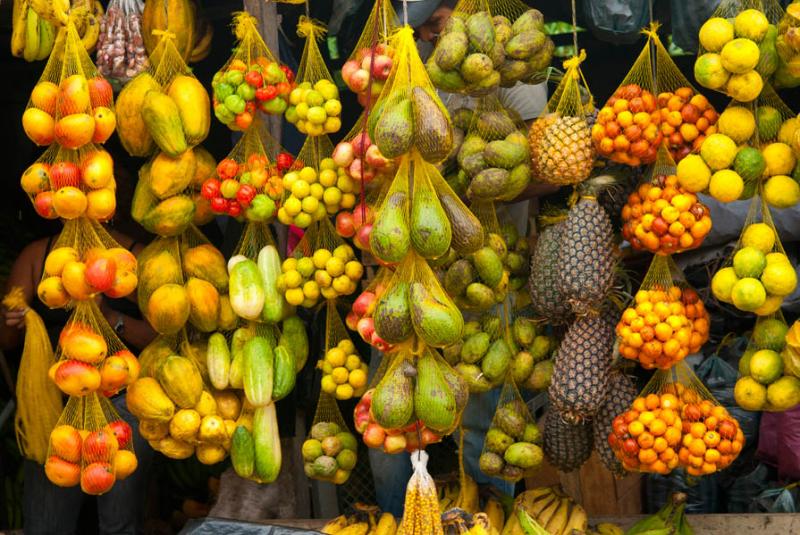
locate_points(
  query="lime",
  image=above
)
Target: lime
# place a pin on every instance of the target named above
(738, 123)
(766, 365)
(770, 333)
(769, 122)
(749, 262)
(744, 87)
(715, 33)
(759, 235)
(693, 173)
(748, 294)
(718, 151)
(740, 56)
(781, 191)
(784, 393)
(749, 163)
(751, 24)
(779, 158)
(726, 185)
(749, 394)
(709, 72)
(722, 284)
(779, 278)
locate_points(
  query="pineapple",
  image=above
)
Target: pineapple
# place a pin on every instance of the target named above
(546, 297)
(621, 393)
(562, 151)
(566, 446)
(587, 255)
(582, 365)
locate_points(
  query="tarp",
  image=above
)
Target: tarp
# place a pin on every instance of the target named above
(221, 526)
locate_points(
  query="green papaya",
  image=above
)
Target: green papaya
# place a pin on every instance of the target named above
(434, 402)
(181, 381)
(285, 373)
(163, 121)
(243, 452)
(394, 131)
(390, 238)
(131, 128)
(430, 228)
(393, 398)
(392, 314)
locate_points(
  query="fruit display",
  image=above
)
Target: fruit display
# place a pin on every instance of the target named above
(511, 448)
(663, 218)
(550, 509)
(255, 286)
(627, 129)
(327, 274)
(120, 46)
(711, 440)
(480, 280)
(414, 436)
(361, 159)
(366, 73)
(314, 194)
(759, 275)
(241, 89)
(315, 109)
(737, 55)
(70, 184)
(686, 119)
(421, 509)
(360, 318)
(621, 393)
(344, 374)
(329, 453)
(32, 37)
(478, 52)
(459, 491)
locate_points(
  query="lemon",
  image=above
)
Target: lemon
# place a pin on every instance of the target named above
(759, 235)
(744, 87)
(770, 333)
(357, 379)
(749, 262)
(294, 296)
(738, 123)
(779, 158)
(784, 393)
(788, 130)
(748, 294)
(740, 56)
(320, 258)
(751, 24)
(340, 375)
(693, 173)
(775, 258)
(781, 191)
(718, 151)
(770, 306)
(715, 33)
(779, 278)
(766, 365)
(722, 284)
(344, 391)
(744, 362)
(347, 346)
(749, 394)
(305, 266)
(311, 290)
(353, 362)
(709, 72)
(726, 185)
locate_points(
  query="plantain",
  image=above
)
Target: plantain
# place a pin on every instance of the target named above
(53, 11)
(47, 38)
(335, 525)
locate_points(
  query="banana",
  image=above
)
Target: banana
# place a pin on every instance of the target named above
(359, 528)
(335, 526)
(387, 525)
(495, 513)
(47, 38)
(91, 33)
(54, 11)
(607, 528)
(548, 512)
(557, 522)
(202, 47)
(535, 510)
(19, 17)
(529, 525)
(578, 520)
(31, 36)
(468, 495)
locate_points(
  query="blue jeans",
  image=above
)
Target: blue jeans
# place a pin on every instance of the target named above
(50, 509)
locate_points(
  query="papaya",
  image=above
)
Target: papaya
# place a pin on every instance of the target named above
(147, 400)
(203, 304)
(284, 373)
(227, 319)
(193, 107)
(174, 16)
(132, 132)
(207, 263)
(168, 308)
(163, 121)
(293, 336)
(242, 452)
(170, 217)
(151, 357)
(170, 176)
(157, 270)
(206, 167)
(181, 381)
(267, 443)
(143, 199)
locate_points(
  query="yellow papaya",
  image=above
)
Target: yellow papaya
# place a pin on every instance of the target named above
(168, 308)
(143, 199)
(181, 381)
(151, 357)
(170, 217)
(193, 105)
(206, 167)
(163, 121)
(175, 16)
(170, 176)
(227, 319)
(203, 304)
(132, 131)
(158, 269)
(207, 263)
(147, 400)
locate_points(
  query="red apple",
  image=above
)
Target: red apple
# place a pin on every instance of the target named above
(365, 328)
(361, 419)
(97, 478)
(348, 69)
(374, 435)
(76, 378)
(379, 343)
(429, 437)
(43, 204)
(124, 283)
(384, 49)
(361, 143)
(375, 158)
(100, 92)
(122, 431)
(363, 303)
(125, 259)
(394, 443)
(351, 320)
(362, 237)
(99, 445)
(343, 154)
(344, 225)
(100, 273)
(359, 80)
(362, 213)
(381, 66)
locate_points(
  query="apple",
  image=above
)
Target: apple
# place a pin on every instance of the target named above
(365, 328)
(133, 364)
(73, 96)
(101, 273)
(381, 66)
(362, 237)
(124, 259)
(429, 437)
(374, 435)
(363, 303)
(413, 441)
(361, 419)
(379, 343)
(362, 213)
(97, 478)
(348, 69)
(344, 225)
(343, 154)
(361, 143)
(374, 157)
(76, 378)
(43, 204)
(351, 320)
(64, 174)
(394, 444)
(62, 473)
(73, 277)
(100, 445)
(122, 431)
(100, 92)
(359, 80)
(385, 49)
(97, 169)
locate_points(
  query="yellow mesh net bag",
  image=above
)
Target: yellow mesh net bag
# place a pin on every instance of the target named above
(360, 159)
(757, 276)
(251, 76)
(161, 284)
(91, 446)
(490, 43)
(344, 374)
(738, 52)
(356, 224)
(661, 216)
(304, 186)
(692, 430)
(71, 104)
(329, 451)
(38, 399)
(409, 114)
(561, 149)
(255, 236)
(666, 320)
(421, 513)
(84, 261)
(511, 449)
(788, 72)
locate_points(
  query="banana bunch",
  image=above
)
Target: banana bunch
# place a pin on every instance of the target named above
(460, 522)
(546, 510)
(364, 520)
(455, 493)
(670, 520)
(55, 12)
(32, 37)
(606, 528)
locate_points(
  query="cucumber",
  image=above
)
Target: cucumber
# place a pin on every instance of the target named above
(243, 452)
(240, 337)
(267, 444)
(218, 361)
(269, 265)
(246, 290)
(257, 371)
(285, 373)
(293, 336)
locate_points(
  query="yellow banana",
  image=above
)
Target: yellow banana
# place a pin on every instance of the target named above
(202, 48)
(335, 526)
(47, 38)
(528, 497)
(512, 526)
(468, 496)
(547, 513)
(54, 11)
(557, 522)
(359, 528)
(387, 525)
(91, 33)
(19, 16)
(607, 528)
(31, 36)
(495, 513)
(535, 509)
(578, 520)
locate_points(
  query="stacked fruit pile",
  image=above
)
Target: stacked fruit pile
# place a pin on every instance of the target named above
(366, 73)
(414, 436)
(511, 450)
(361, 160)
(314, 194)
(325, 273)
(711, 438)
(479, 281)
(627, 128)
(344, 375)
(329, 453)
(315, 108)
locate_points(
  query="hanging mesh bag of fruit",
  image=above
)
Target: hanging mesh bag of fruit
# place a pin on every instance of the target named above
(511, 449)
(251, 80)
(663, 217)
(666, 320)
(494, 159)
(37, 397)
(329, 451)
(369, 65)
(71, 104)
(358, 158)
(737, 52)
(409, 114)
(91, 446)
(561, 145)
(360, 317)
(356, 224)
(304, 186)
(490, 43)
(767, 370)
(344, 374)
(162, 298)
(675, 422)
(758, 275)
(533, 344)
(621, 393)
(120, 46)
(787, 44)
(791, 353)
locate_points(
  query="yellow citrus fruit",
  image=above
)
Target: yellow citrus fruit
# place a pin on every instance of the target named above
(770, 306)
(336, 357)
(340, 375)
(766, 365)
(357, 378)
(184, 424)
(781, 191)
(347, 346)
(751, 24)
(722, 284)
(718, 151)
(784, 393)
(744, 87)
(693, 173)
(740, 56)
(775, 258)
(749, 262)
(327, 384)
(748, 294)
(738, 123)
(750, 394)
(779, 158)
(715, 33)
(320, 258)
(344, 391)
(759, 235)
(779, 278)
(787, 131)
(709, 72)
(726, 185)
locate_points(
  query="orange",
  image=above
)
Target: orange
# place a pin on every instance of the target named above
(667, 455)
(712, 456)
(635, 428)
(660, 444)
(667, 416)
(663, 332)
(697, 447)
(645, 440)
(640, 404)
(659, 467)
(658, 427)
(647, 417)
(647, 456)
(669, 401)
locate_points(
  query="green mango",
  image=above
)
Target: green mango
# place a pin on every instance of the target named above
(523, 45)
(475, 347)
(473, 144)
(518, 180)
(433, 133)
(502, 30)
(488, 265)
(392, 314)
(497, 360)
(393, 398)
(450, 81)
(458, 276)
(512, 71)
(450, 50)
(456, 23)
(505, 154)
(768, 54)
(462, 118)
(473, 164)
(480, 296)
(470, 328)
(394, 131)
(434, 402)
(484, 86)
(524, 331)
(498, 55)
(524, 455)
(390, 238)
(436, 319)
(539, 379)
(498, 244)
(521, 367)
(491, 324)
(430, 228)
(467, 232)
(530, 20)
(472, 374)
(476, 67)
(541, 60)
(458, 182)
(541, 347)
(480, 31)
(492, 125)
(489, 184)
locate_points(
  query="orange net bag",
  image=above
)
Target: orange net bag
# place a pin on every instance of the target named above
(330, 449)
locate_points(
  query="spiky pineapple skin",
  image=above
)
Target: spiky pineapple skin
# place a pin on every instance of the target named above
(621, 393)
(562, 151)
(546, 297)
(566, 446)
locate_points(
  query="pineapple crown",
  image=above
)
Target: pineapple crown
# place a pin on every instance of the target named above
(591, 187)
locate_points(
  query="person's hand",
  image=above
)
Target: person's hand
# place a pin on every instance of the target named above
(432, 27)
(15, 317)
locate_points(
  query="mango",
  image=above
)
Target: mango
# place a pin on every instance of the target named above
(472, 374)
(473, 144)
(458, 276)
(392, 314)
(518, 180)
(473, 164)
(444, 80)
(512, 71)
(496, 361)
(494, 125)
(521, 367)
(450, 50)
(524, 455)
(484, 86)
(475, 347)
(498, 55)
(505, 154)
(530, 20)
(476, 67)
(523, 45)
(433, 133)
(480, 31)
(390, 238)
(479, 296)
(435, 317)
(488, 184)
(462, 118)
(394, 131)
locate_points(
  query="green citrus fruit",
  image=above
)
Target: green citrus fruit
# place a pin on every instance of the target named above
(749, 262)
(770, 333)
(766, 365)
(709, 72)
(749, 163)
(769, 122)
(748, 294)
(722, 284)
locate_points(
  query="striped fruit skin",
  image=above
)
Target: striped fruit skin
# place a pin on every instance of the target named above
(621, 393)
(566, 446)
(546, 297)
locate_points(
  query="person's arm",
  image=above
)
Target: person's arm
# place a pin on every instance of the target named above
(22, 275)
(133, 331)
